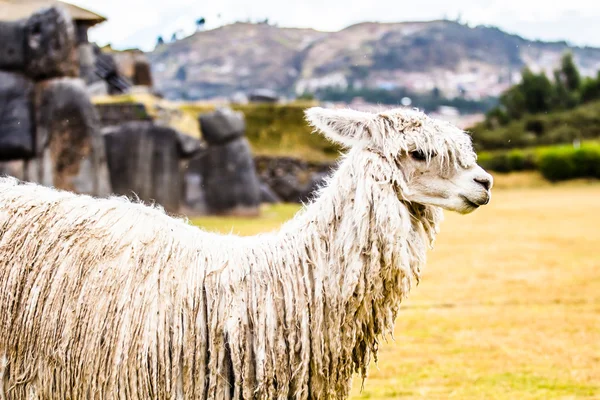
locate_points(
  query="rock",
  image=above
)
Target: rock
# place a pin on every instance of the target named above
(287, 187)
(134, 66)
(12, 45)
(69, 149)
(267, 195)
(50, 44)
(42, 46)
(194, 194)
(317, 181)
(144, 162)
(13, 168)
(222, 125)
(16, 117)
(106, 68)
(230, 180)
(98, 88)
(188, 146)
(142, 75)
(87, 64)
(293, 180)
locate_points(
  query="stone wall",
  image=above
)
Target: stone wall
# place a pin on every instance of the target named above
(49, 131)
(291, 179)
(117, 113)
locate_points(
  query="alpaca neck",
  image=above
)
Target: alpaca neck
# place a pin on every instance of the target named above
(359, 226)
(363, 248)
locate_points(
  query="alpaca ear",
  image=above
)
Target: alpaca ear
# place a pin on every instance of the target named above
(343, 126)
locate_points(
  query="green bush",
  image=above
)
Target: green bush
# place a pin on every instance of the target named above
(518, 160)
(560, 127)
(587, 161)
(562, 134)
(535, 125)
(514, 160)
(497, 162)
(275, 129)
(562, 163)
(279, 130)
(557, 165)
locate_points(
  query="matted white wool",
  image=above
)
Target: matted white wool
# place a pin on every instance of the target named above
(105, 298)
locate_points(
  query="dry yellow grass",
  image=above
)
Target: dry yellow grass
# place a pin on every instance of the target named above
(508, 307)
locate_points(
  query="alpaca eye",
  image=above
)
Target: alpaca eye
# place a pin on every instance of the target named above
(418, 155)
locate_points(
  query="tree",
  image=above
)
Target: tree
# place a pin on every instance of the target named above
(538, 92)
(534, 94)
(200, 22)
(513, 103)
(590, 89)
(567, 83)
(569, 74)
(564, 98)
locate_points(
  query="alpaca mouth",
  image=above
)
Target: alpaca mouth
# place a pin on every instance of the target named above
(478, 203)
(470, 203)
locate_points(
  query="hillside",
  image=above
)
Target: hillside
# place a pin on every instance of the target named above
(236, 57)
(420, 56)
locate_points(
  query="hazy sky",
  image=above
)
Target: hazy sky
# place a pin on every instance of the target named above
(137, 23)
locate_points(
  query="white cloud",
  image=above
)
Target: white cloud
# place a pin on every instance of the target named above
(137, 23)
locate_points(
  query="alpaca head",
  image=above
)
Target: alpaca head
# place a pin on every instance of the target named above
(427, 161)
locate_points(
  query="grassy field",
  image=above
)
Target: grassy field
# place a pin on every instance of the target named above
(509, 304)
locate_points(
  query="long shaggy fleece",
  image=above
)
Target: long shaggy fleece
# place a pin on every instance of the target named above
(107, 299)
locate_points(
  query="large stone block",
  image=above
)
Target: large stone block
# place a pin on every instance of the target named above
(12, 45)
(142, 74)
(293, 180)
(229, 177)
(42, 46)
(50, 49)
(16, 117)
(222, 125)
(144, 160)
(70, 151)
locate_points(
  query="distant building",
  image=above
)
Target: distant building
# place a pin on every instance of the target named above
(263, 96)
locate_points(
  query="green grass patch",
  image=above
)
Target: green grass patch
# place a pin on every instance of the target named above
(279, 130)
(527, 382)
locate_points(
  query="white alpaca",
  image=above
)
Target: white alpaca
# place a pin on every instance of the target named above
(107, 299)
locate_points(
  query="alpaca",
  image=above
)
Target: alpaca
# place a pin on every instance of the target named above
(107, 299)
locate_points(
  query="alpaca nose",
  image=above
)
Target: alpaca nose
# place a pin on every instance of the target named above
(484, 181)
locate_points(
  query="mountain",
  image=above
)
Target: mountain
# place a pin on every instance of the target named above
(419, 56)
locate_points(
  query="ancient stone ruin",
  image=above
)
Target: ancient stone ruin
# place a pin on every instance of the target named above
(146, 159)
(289, 179)
(225, 170)
(49, 132)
